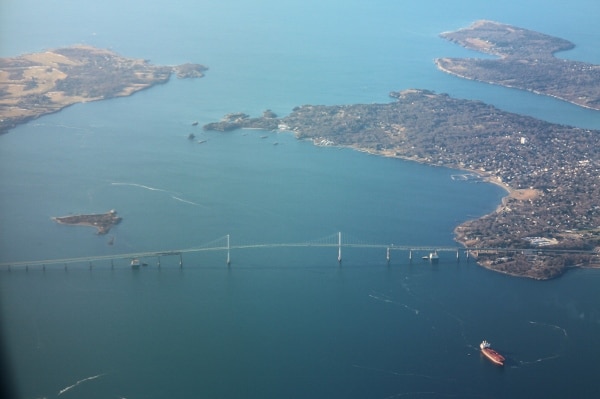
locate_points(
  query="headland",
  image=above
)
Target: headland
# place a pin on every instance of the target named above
(525, 61)
(33, 85)
(551, 172)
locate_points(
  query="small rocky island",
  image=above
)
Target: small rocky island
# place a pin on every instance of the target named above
(103, 222)
(526, 61)
(36, 84)
(552, 172)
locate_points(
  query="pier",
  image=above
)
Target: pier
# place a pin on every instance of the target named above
(334, 241)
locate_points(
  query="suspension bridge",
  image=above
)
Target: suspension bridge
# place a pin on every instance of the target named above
(226, 245)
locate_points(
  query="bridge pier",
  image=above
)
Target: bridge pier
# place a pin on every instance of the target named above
(387, 255)
(158, 261)
(112, 265)
(457, 255)
(180, 261)
(340, 247)
(90, 265)
(410, 255)
(228, 252)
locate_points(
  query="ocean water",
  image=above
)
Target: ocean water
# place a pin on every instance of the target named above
(279, 322)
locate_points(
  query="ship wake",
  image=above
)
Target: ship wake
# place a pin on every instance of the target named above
(173, 194)
(78, 383)
(384, 298)
(564, 338)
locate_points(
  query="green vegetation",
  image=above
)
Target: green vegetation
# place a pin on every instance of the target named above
(526, 62)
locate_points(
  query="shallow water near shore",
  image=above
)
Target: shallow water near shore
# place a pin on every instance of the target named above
(278, 322)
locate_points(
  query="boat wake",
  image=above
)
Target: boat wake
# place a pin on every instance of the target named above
(434, 394)
(556, 355)
(78, 382)
(426, 380)
(185, 201)
(399, 374)
(173, 194)
(559, 328)
(141, 186)
(384, 298)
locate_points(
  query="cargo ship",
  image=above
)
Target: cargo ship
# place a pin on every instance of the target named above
(491, 354)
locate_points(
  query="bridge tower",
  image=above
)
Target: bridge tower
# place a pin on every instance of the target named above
(228, 254)
(339, 247)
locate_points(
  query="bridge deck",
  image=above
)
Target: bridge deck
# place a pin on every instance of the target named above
(328, 242)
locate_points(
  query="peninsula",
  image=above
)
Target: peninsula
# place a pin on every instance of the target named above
(103, 222)
(526, 61)
(36, 84)
(551, 172)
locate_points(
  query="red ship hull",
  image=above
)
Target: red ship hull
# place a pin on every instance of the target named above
(494, 356)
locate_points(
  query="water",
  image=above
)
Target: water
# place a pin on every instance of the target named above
(279, 322)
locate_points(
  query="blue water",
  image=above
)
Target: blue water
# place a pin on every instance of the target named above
(278, 322)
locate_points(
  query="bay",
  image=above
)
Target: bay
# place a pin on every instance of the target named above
(282, 321)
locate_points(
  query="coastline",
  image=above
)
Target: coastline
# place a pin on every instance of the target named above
(37, 84)
(103, 222)
(526, 61)
(466, 135)
(537, 92)
(486, 178)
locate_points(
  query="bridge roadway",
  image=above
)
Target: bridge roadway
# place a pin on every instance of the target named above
(226, 247)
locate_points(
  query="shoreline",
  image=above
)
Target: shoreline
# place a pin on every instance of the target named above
(103, 222)
(486, 178)
(526, 61)
(37, 84)
(536, 92)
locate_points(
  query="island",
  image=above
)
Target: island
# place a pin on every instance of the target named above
(37, 84)
(525, 61)
(103, 222)
(551, 172)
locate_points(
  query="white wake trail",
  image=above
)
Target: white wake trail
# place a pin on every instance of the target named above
(385, 299)
(79, 382)
(141, 186)
(185, 201)
(173, 194)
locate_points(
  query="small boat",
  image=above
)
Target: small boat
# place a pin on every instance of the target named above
(201, 141)
(491, 354)
(432, 257)
(191, 136)
(195, 123)
(135, 263)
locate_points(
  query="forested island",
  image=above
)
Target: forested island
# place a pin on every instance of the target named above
(103, 222)
(552, 172)
(36, 84)
(526, 61)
